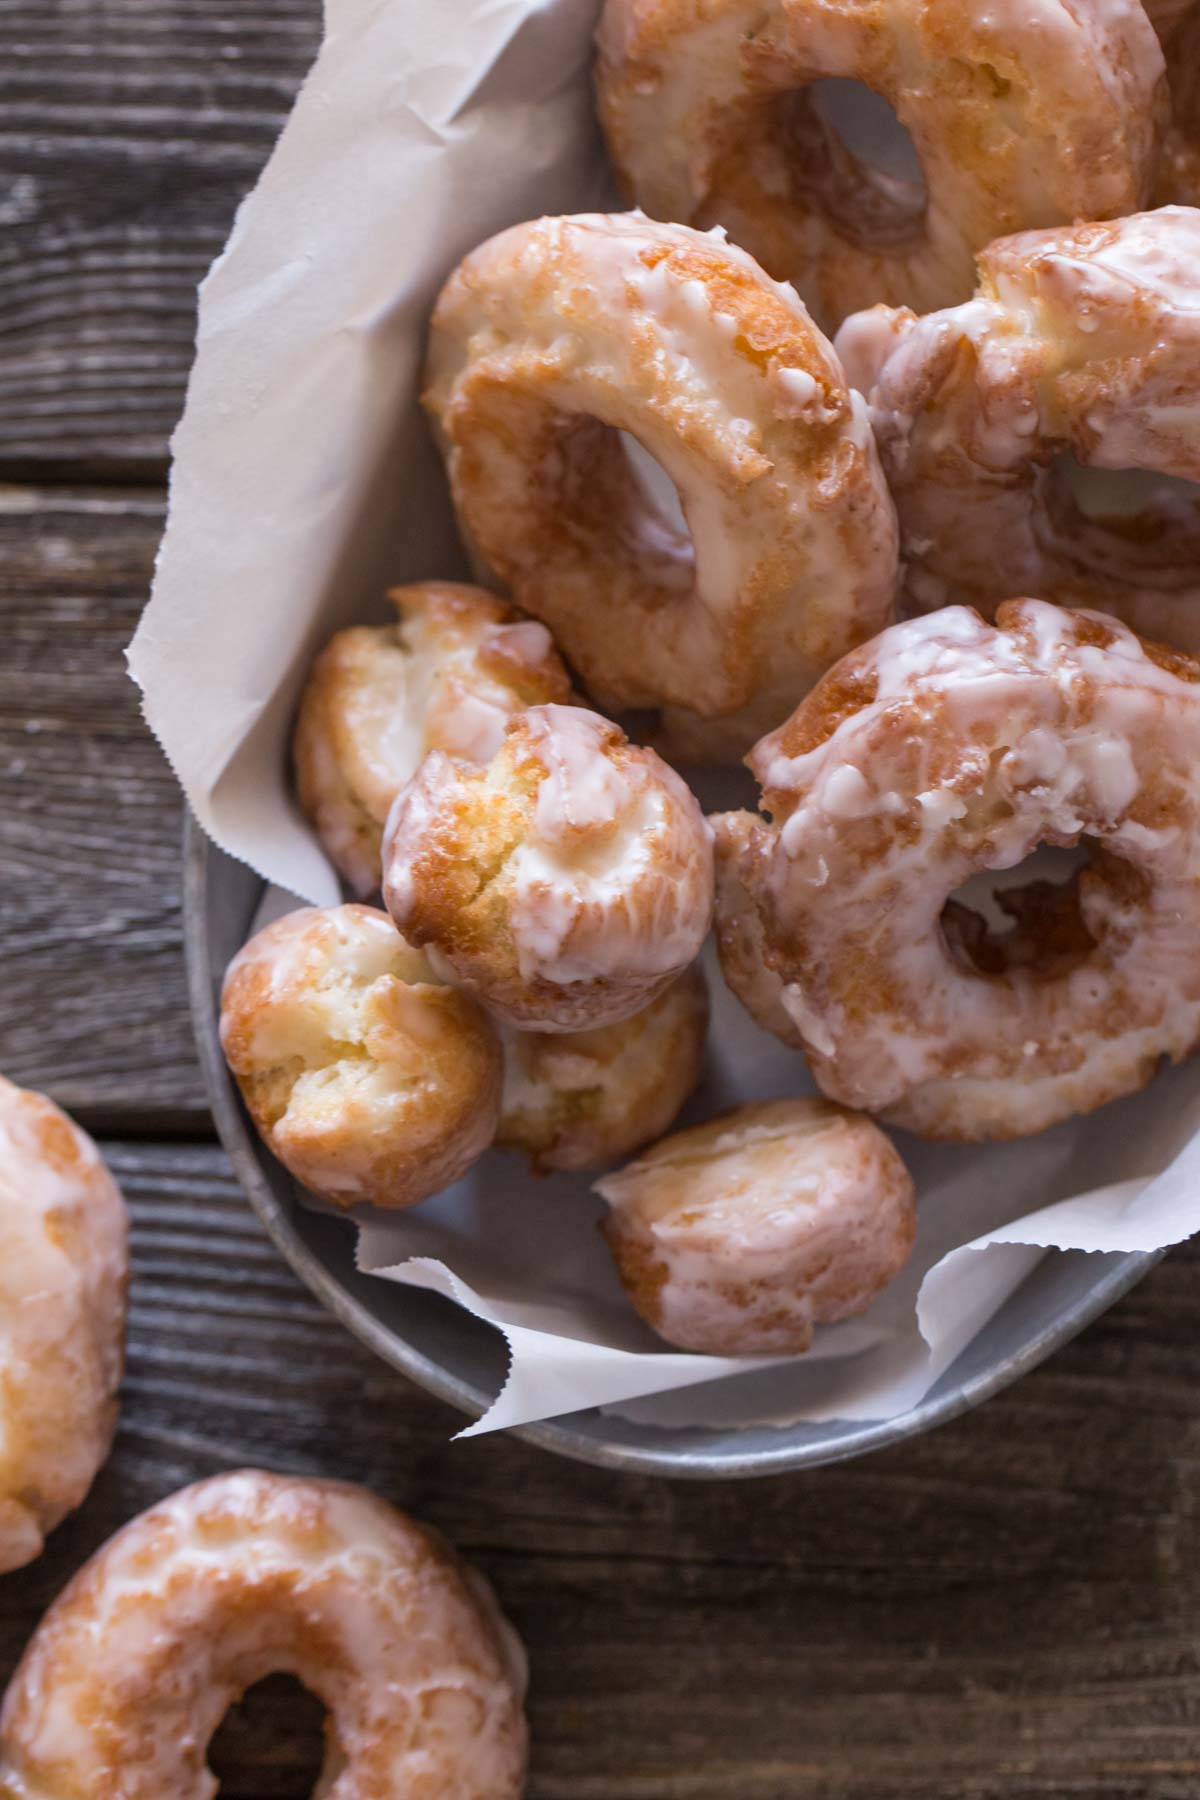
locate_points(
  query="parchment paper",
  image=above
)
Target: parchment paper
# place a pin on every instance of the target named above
(304, 483)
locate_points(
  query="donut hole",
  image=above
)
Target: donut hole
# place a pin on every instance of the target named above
(850, 156)
(282, 1712)
(1104, 513)
(1028, 918)
(657, 490)
(612, 493)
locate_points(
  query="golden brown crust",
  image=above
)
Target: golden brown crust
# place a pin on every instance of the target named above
(737, 1237)
(1082, 346)
(1020, 116)
(64, 1269)
(567, 883)
(947, 749)
(584, 1099)
(242, 1576)
(554, 337)
(446, 676)
(368, 1077)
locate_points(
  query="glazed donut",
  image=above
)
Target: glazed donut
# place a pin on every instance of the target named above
(447, 676)
(1084, 341)
(554, 337)
(1021, 116)
(367, 1076)
(64, 1269)
(737, 1237)
(132, 1669)
(566, 884)
(948, 747)
(584, 1099)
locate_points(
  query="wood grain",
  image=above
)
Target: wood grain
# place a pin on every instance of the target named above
(129, 131)
(1003, 1610)
(93, 1005)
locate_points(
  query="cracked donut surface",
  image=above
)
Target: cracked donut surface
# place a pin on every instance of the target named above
(567, 883)
(582, 1099)
(367, 1076)
(448, 675)
(946, 748)
(250, 1574)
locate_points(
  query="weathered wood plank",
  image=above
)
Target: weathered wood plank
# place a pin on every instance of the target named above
(93, 1005)
(1004, 1610)
(129, 131)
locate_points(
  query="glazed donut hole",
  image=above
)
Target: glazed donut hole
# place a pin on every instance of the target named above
(569, 360)
(369, 1078)
(585, 1099)
(740, 1236)
(249, 1575)
(64, 1270)
(566, 884)
(447, 675)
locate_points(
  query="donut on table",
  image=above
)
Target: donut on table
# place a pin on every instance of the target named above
(552, 339)
(1083, 341)
(64, 1269)
(246, 1575)
(739, 1236)
(566, 884)
(583, 1099)
(1021, 116)
(946, 748)
(448, 675)
(368, 1077)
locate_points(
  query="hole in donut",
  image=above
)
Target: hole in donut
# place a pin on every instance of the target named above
(1126, 500)
(850, 155)
(1133, 525)
(1023, 918)
(282, 1713)
(658, 490)
(609, 490)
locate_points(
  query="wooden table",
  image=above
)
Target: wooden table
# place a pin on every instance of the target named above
(1005, 1609)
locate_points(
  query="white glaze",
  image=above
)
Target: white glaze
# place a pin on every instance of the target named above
(63, 1269)
(1083, 340)
(250, 1574)
(1016, 736)
(603, 316)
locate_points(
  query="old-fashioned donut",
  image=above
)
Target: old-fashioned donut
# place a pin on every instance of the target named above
(552, 339)
(448, 675)
(64, 1268)
(366, 1075)
(566, 884)
(249, 1574)
(1022, 117)
(945, 748)
(1083, 342)
(739, 1236)
(583, 1099)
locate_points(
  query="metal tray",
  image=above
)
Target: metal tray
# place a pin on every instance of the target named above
(456, 1357)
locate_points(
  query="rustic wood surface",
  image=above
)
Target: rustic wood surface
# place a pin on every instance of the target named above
(1004, 1610)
